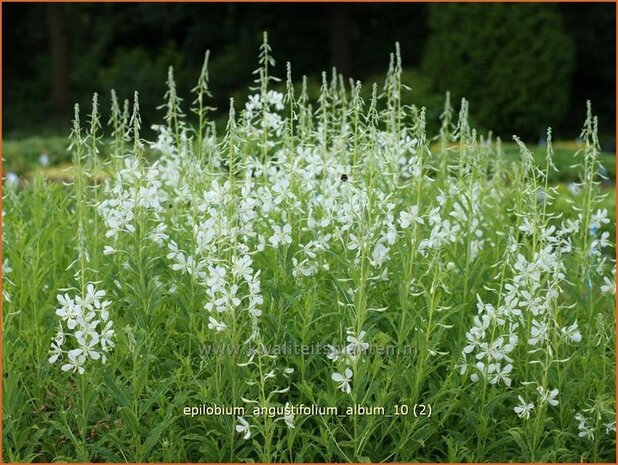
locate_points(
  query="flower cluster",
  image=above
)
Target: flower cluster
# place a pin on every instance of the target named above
(529, 296)
(266, 108)
(131, 188)
(86, 320)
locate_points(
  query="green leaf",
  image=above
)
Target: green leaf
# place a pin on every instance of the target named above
(117, 391)
(129, 418)
(153, 437)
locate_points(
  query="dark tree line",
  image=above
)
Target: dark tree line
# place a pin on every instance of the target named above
(56, 54)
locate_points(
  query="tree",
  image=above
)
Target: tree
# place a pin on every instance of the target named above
(513, 62)
(340, 38)
(593, 27)
(58, 47)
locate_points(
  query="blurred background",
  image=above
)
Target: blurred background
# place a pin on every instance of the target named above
(523, 67)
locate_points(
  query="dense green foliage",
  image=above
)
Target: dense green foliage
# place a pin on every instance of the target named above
(513, 62)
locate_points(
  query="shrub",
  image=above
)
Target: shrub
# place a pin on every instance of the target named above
(513, 63)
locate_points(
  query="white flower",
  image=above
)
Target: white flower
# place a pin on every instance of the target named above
(379, 254)
(303, 268)
(390, 235)
(580, 418)
(103, 310)
(216, 279)
(585, 430)
(458, 213)
(68, 311)
(601, 243)
(92, 299)
(289, 418)
(87, 327)
(117, 213)
(530, 302)
(462, 366)
(354, 243)
(610, 427)
(216, 195)
(184, 264)
(44, 159)
(356, 344)
(106, 339)
(216, 325)
(572, 333)
(254, 103)
(242, 266)
(6, 267)
(76, 361)
(158, 234)
(482, 369)
(608, 286)
(84, 316)
(446, 231)
(573, 188)
(343, 380)
(495, 351)
(12, 179)
(475, 339)
(527, 227)
(228, 296)
(281, 235)
(333, 353)
(599, 218)
(524, 408)
(538, 333)
(243, 427)
(545, 395)
(88, 346)
(501, 374)
(56, 348)
(275, 99)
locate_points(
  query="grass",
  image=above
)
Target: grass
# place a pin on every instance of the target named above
(334, 258)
